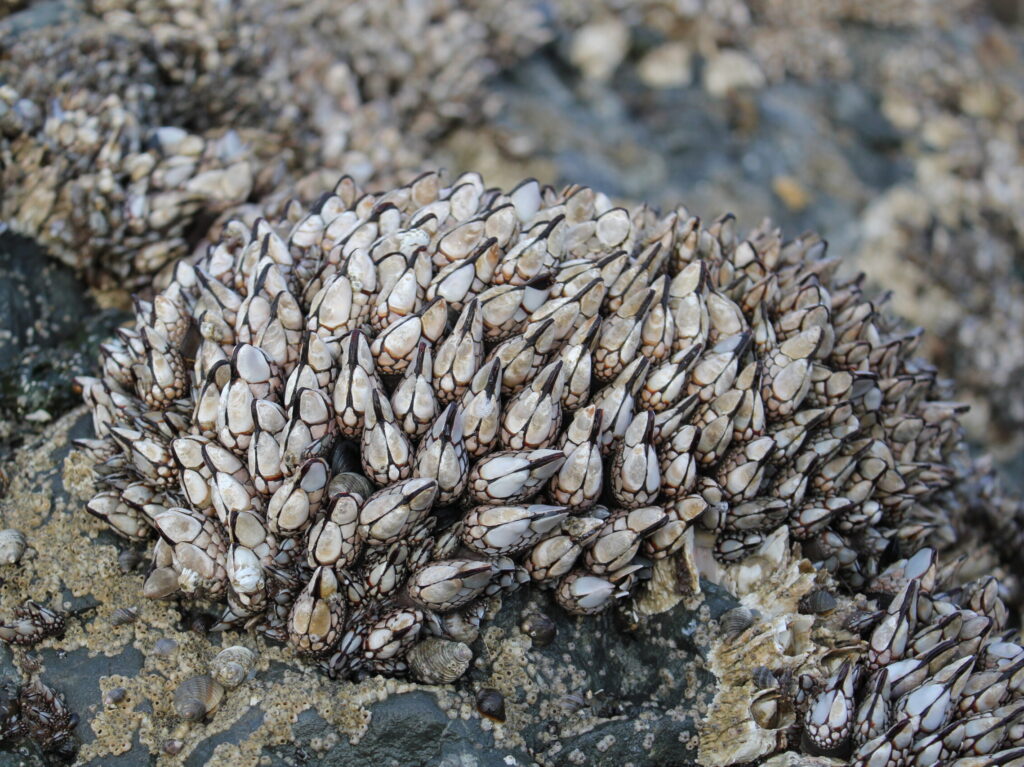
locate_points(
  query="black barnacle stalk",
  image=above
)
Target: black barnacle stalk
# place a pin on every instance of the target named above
(402, 403)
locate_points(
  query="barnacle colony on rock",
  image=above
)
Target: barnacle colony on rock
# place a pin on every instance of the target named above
(349, 426)
(937, 679)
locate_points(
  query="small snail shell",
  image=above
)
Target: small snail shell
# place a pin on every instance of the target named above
(735, 621)
(772, 710)
(232, 665)
(540, 628)
(491, 703)
(350, 482)
(12, 546)
(818, 602)
(128, 560)
(114, 696)
(439, 661)
(197, 697)
(764, 678)
(123, 615)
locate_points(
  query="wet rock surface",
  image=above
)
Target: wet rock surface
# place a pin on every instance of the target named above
(50, 331)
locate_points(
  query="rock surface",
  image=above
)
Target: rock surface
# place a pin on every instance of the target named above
(50, 331)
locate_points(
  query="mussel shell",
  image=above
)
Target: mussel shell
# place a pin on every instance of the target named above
(817, 602)
(764, 678)
(735, 621)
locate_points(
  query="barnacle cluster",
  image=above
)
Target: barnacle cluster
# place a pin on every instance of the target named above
(349, 426)
(937, 679)
(126, 129)
(39, 713)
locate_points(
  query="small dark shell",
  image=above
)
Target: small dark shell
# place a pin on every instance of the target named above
(818, 602)
(491, 703)
(540, 628)
(764, 678)
(198, 697)
(735, 621)
(201, 623)
(172, 746)
(114, 696)
(124, 615)
(128, 560)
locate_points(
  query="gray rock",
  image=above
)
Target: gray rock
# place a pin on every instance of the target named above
(50, 331)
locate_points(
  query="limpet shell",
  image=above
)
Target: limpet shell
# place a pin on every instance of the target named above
(439, 661)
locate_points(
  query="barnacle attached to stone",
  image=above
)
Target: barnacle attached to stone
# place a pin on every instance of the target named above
(47, 719)
(940, 679)
(349, 427)
(32, 623)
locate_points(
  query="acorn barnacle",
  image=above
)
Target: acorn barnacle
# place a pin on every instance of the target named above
(348, 427)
